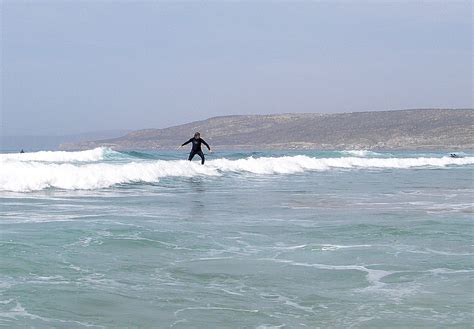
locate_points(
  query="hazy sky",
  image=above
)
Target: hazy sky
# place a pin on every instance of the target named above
(70, 67)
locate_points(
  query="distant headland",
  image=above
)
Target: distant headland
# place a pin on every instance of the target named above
(429, 129)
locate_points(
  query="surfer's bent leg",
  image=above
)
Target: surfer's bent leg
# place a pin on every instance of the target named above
(191, 155)
(202, 157)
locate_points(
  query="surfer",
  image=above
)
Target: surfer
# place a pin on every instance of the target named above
(454, 155)
(22, 151)
(197, 141)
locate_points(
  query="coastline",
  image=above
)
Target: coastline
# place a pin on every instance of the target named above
(379, 130)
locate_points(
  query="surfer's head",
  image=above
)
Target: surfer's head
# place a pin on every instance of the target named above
(197, 135)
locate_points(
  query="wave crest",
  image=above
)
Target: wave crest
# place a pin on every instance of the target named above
(360, 153)
(96, 154)
(21, 176)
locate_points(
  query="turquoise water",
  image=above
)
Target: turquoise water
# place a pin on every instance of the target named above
(103, 239)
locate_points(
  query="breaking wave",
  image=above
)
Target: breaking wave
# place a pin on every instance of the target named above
(96, 154)
(23, 176)
(360, 153)
(67, 170)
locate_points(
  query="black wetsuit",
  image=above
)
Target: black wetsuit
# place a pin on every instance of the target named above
(197, 148)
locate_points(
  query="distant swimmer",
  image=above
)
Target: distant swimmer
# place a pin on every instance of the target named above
(22, 151)
(197, 141)
(453, 155)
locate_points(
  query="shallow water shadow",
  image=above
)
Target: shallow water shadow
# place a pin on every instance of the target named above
(197, 194)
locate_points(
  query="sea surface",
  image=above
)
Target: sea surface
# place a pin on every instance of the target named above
(347, 239)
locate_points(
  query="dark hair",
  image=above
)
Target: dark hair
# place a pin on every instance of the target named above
(197, 134)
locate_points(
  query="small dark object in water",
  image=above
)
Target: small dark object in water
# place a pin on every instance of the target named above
(453, 155)
(22, 151)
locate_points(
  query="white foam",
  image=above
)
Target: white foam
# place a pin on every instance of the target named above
(96, 154)
(449, 271)
(270, 326)
(333, 247)
(18, 311)
(33, 176)
(211, 308)
(447, 253)
(5, 302)
(360, 153)
(301, 163)
(21, 176)
(373, 276)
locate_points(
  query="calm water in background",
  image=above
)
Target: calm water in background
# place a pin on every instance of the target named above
(330, 239)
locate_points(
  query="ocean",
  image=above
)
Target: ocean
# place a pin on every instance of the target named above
(300, 239)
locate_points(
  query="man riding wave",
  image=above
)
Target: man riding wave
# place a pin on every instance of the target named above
(197, 141)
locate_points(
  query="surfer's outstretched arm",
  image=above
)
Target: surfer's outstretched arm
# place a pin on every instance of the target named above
(189, 141)
(207, 145)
